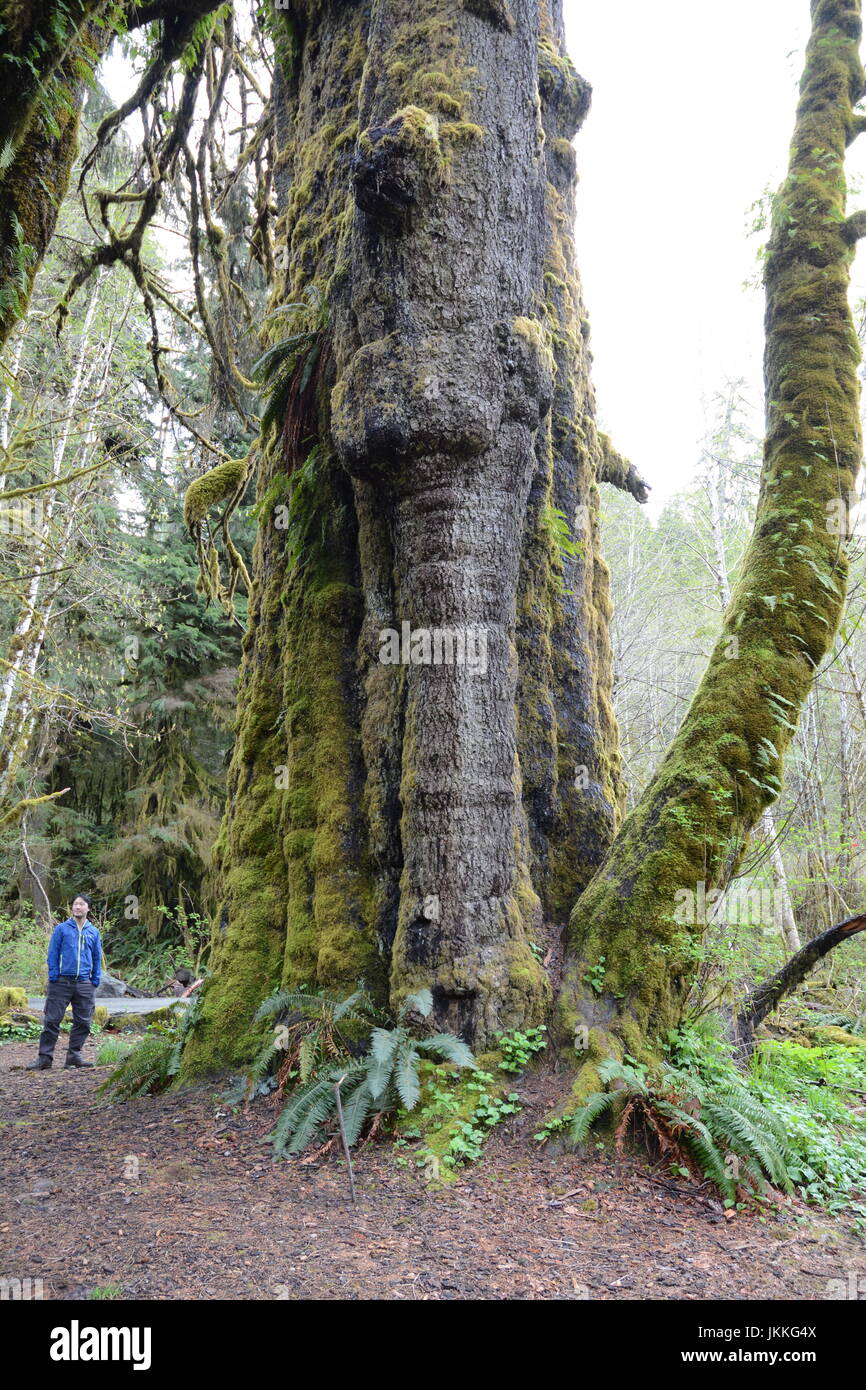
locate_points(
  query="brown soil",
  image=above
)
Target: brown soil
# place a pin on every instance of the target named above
(210, 1216)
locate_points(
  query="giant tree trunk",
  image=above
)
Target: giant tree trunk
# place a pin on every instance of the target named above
(415, 822)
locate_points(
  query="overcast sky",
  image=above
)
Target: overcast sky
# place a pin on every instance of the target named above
(691, 118)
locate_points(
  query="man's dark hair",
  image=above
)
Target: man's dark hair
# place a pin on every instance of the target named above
(86, 896)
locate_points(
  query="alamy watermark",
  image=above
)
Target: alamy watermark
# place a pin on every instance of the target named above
(22, 518)
(435, 646)
(20, 1289)
(743, 902)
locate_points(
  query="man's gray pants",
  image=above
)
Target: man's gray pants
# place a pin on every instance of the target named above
(81, 994)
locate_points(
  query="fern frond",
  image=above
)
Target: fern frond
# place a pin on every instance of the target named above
(420, 1002)
(357, 1107)
(449, 1048)
(307, 1054)
(406, 1075)
(384, 1043)
(306, 1108)
(582, 1120)
(274, 1004)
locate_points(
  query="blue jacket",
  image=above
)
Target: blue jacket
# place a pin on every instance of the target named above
(74, 951)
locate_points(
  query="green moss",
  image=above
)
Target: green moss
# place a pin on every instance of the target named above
(12, 998)
(219, 484)
(827, 1035)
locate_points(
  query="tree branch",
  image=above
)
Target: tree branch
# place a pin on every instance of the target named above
(856, 127)
(854, 227)
(769, 995)
(613, 468)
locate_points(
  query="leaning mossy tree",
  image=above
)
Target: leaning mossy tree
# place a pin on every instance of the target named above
(415, 822)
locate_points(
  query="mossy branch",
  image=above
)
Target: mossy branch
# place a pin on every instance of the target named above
(614, 469)
(226, 483)
(856, 127)
(854, 227)
(21, 807)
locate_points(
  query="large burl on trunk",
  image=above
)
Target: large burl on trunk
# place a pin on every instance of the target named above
(414, 821)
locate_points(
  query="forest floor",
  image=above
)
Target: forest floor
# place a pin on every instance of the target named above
(210, 1216)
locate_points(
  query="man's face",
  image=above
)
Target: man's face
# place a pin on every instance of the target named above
(79, 909)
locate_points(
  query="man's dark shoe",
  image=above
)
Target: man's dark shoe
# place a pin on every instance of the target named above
(75, 1059)
(41, 1064)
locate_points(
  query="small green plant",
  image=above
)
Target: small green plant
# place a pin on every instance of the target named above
(489, 1110)
(519, 1048)
(100, 1291)
(20, 1032)
(193, 930)
(374, 1085)
(594, 976)
(463, 1128)
(112, 1051)
(153, 1064)
(557, 524)
(553, 1126)
(286, 369)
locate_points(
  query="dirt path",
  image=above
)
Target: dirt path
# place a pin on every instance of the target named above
(209, 1216)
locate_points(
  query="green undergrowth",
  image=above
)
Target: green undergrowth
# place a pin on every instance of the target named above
(396, 1078)
(153, 1064)
(455, 1116)
(457, 1112)
(794, 1122)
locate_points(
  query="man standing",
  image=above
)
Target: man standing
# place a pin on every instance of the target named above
(74, 972)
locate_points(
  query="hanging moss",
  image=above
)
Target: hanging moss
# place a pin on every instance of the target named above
(220, 484)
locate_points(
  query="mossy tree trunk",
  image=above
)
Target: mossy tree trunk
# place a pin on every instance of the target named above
(630, 963)
(413, 822)
(46, 51)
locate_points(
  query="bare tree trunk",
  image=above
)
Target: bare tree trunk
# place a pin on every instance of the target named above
(784, 910)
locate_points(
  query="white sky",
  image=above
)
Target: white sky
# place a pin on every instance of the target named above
(692, 113)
